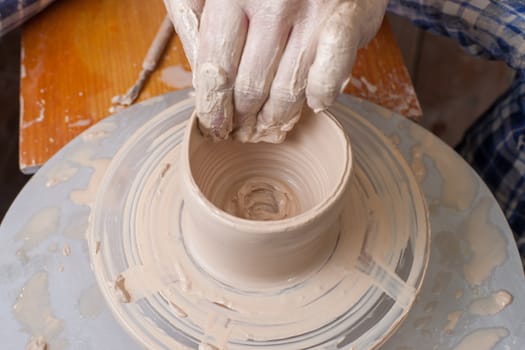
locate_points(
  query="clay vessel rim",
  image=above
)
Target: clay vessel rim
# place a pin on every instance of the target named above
(288, 224)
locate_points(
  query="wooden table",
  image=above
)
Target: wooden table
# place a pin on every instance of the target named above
(78, 54)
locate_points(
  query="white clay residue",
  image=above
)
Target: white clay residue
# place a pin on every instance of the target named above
(66, 250)
(261, 198)
(91, 302)
(80, 123)
(121, 292)
(37, 343)
(177, 310)
(487, 243)
(356, 82)
(453, 319)
(396, 139)
(87, 196)
(84, 157)
(491, 304)
(369, 86)
(60, 174)
(482, 339)
(21, 103)
(41, 225)
(417, 164)
(39, 119)
(115, 109)
(176, 77)
(458, 192)
(99, 131)
(33, 311)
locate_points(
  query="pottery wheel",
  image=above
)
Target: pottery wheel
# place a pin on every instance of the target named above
(48, 289)
(360, 294)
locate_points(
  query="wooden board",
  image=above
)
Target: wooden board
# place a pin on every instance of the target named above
(78, 54)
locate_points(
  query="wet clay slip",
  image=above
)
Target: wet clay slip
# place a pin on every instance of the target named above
(305, 244)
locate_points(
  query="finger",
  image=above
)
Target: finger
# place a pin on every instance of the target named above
(221, 39)
(282, 109)
(185, 15)
(262, 52)
(336, 50)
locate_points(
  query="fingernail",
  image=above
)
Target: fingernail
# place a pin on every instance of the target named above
(214, 102)
(316, 104)
(221, 126)
(215, 126)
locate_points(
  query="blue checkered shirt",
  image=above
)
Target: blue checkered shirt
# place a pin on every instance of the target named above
(15, 12)
(495, 144)
(494, 29)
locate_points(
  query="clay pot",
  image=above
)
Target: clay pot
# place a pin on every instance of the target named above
(264, 215)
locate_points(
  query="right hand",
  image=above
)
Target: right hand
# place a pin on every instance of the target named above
(256, 63)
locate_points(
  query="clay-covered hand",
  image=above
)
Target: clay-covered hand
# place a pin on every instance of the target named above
(256, 62)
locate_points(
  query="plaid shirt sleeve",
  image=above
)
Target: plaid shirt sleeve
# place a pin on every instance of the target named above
(493, 29)
(495, 144)
(14, 12)
(495, 147)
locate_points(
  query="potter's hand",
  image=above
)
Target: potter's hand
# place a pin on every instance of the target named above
(255, 62)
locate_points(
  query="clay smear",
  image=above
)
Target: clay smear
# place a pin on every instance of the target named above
(33, 311)
(88, 196)
(453, 319)
(491, 304)
(457, 193)
(264, 199)
(38, 343)
(66, 250)
(60, 174)
(98, 131)
(85, 157)
(121, 291)
(487, 244)
(418, 165)
(482, 339)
